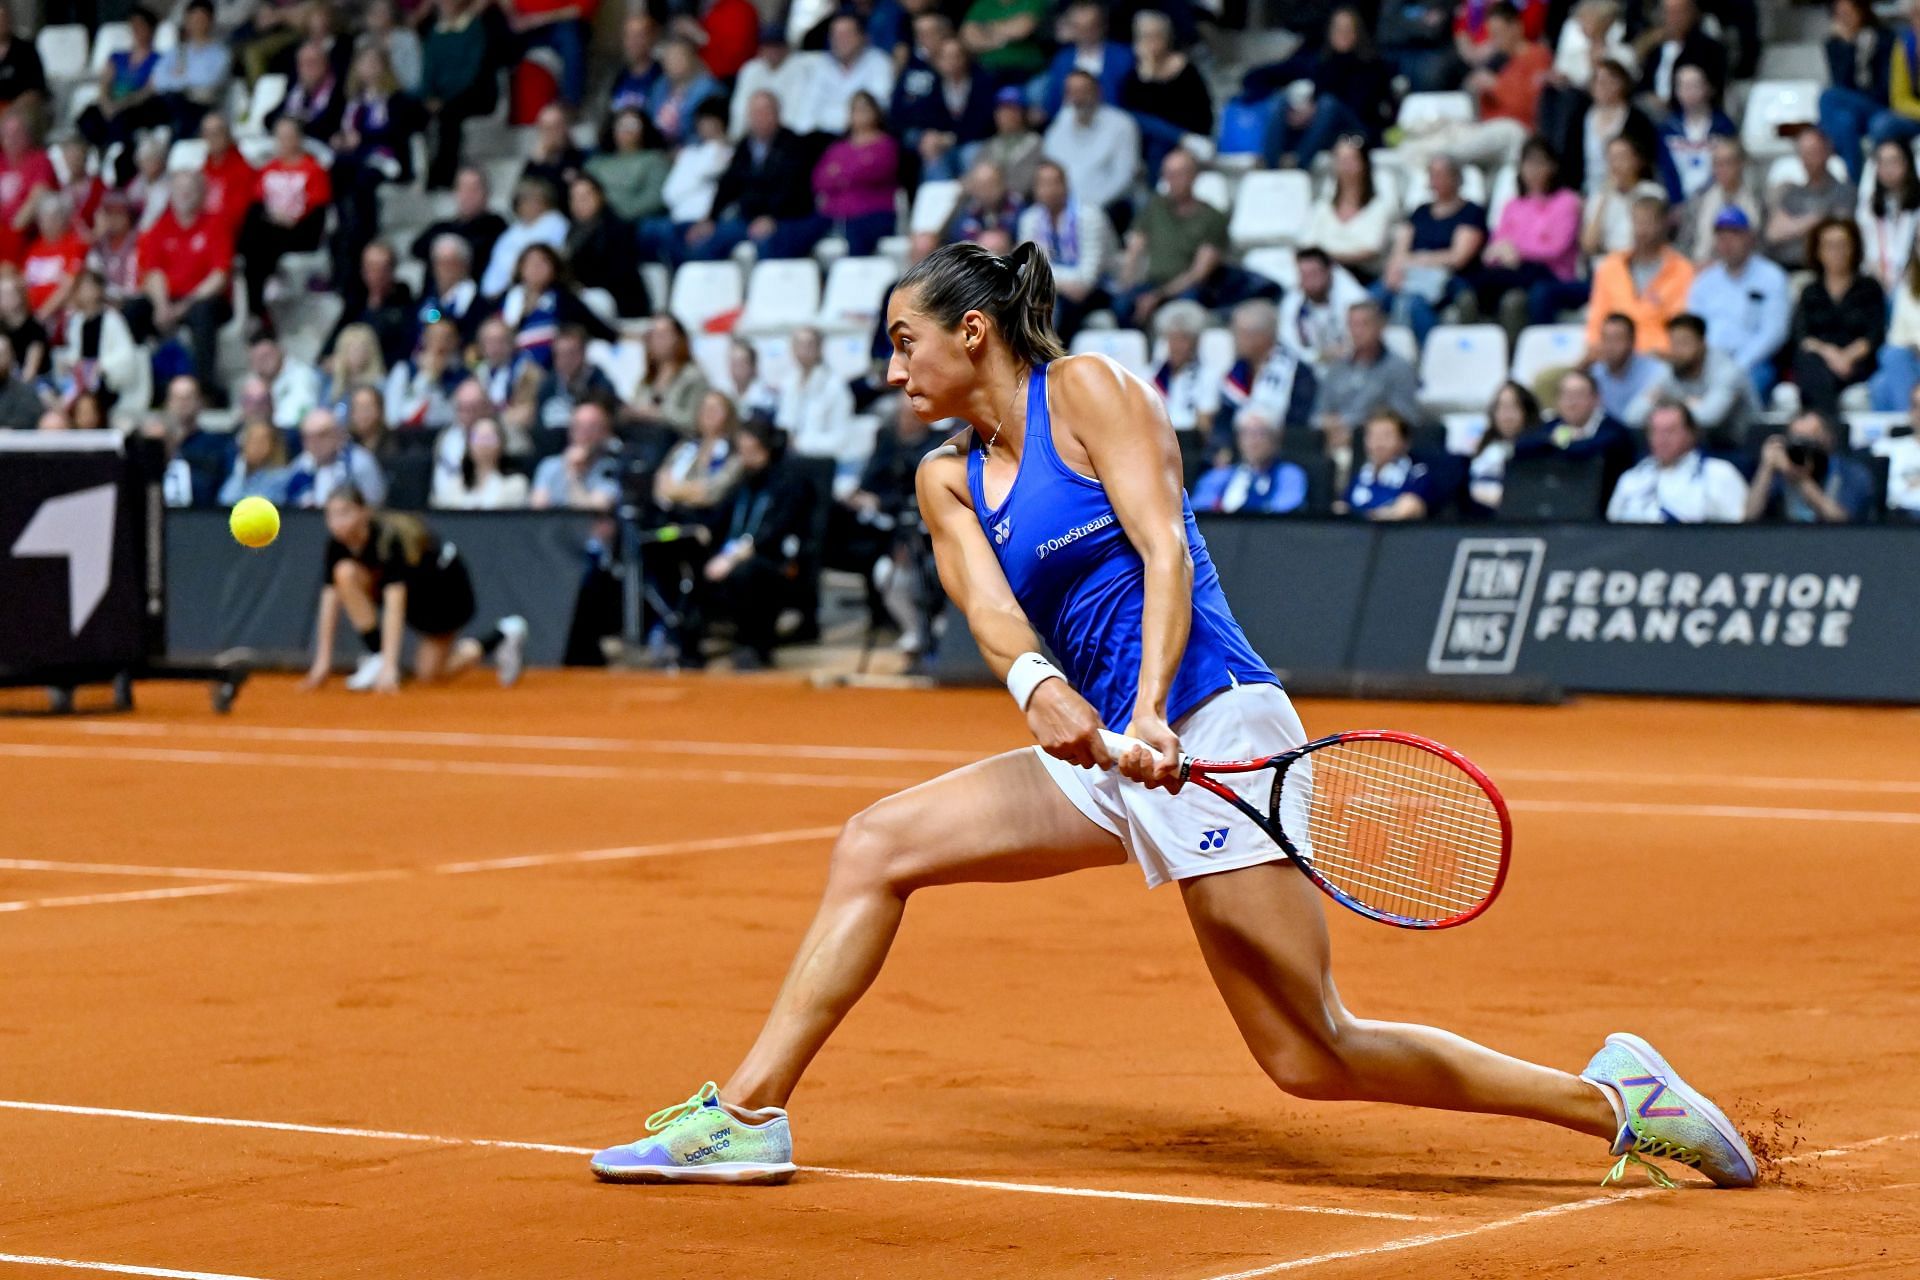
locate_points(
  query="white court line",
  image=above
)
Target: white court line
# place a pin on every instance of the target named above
(1576, 1206)
(1625, 809)
(118, 1268)
(629, 852)
(135, 869)
(479, 768)
(434, 1140)
(131, 895)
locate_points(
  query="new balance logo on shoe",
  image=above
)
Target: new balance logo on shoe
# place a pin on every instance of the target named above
(1216, 839)
(1646, 1110)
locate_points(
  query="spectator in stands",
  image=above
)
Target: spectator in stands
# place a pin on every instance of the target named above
(1716, 390)
(1647, 283)
(1098, 145)
(1433, 253)
(53, 260)
(674, 383)
(1366, 378)
(419, 389)
(1608, 225)
(450, 292)
(1795, 208)
(947, 125)
(472, 220)
(1581, 428)
(917, 81)
(480, 482)
(374, 146)
(26, 174)
(20, 408)
(1678, 40)
(28, 336)
(1506, 88)
(233, 184)
(99, 355)
(125, 103)
(631, 167)
(1353, 223)
(692, 183)
(1084, 46)
(147, 189)
(778, 70)
(1349, 90)
(816, 409)
(700, 471)
(259, 467)
(315, 100)
(1891, 386)
(1688, 131)
(727, 33)
(1902, 453)
(470, 407)
(1620, 373)
(536, 220)
(192, 76)
(1732, 188)
(1512, 413)
(586, 475)
(495, 368)
(1859, 67)
(639, 69)
(765, 195)
(356, 362)
(749, 576)
(988, 214)
(291, 216)
(1261, 481)
(292, 384)
(857, 180)
(1182, 381)
(1313, 317)
(379, 299)
(1840, 322)
(573, 381)
(553, 158)
(460, 51)
(1805, 477)
(1676, 483)
(330, 459)
(1007, 38)
(603, 244)
(1416, 40)
(1890, 213)
(1178, 249)
(1608, 112)
(752, 395)
(1535, 250)
(561, 28)
(1165, 93)
(367, 426)
(1391, 485)
(23, 81)
(381, 30)
(198, 460)
(187, 277)
(1078, 241)
(1594, 34)
(851, 65)
(1265, 374)
(875, 530)
(1742, 298)
(1014, 149)
(542, 302)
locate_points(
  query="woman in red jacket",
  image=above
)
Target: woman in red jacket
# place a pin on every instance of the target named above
(291, 216)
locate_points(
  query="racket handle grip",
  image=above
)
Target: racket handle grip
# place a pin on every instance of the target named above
(1118, 744)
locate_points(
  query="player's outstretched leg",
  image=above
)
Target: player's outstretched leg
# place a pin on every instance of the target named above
(1263, 933)
(998, 821)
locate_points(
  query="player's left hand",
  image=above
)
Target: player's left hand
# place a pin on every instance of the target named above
(388, 680)
(1161, 769)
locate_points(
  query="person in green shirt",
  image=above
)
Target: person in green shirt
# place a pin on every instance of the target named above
(631, 168)
(1177, 248)
(1005, 38)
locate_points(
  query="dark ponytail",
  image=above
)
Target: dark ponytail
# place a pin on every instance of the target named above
(1015, 292)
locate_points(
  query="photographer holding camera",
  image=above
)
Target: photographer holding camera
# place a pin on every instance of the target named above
(1805, 479)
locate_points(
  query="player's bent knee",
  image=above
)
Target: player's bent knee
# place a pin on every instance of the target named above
(866, 855)
(351, 575)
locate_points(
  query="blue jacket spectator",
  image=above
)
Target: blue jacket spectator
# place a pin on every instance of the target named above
(1084, 47)
(1687, 134)
(1261, 481)
(1352, 93)
(1743, 299)
(639, 72)
(683, 85)
(1859, 78)
(947, 118)
(1583, 429)
(1390, 483)
(1265, 376)
(1621, 374)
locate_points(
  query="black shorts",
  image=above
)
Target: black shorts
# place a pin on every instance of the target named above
(440, 595)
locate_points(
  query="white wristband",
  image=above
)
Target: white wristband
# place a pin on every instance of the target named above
(1028, 672)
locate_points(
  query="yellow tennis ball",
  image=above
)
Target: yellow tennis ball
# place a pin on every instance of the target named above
(255, 522)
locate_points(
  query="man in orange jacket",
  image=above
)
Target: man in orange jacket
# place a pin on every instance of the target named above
(1647, 283)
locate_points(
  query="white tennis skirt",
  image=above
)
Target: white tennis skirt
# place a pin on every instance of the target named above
(1195, 833)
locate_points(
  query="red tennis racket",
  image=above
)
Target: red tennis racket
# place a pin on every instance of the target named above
(1396, 827)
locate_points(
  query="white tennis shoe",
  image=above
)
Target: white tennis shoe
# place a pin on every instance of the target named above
(366, 675)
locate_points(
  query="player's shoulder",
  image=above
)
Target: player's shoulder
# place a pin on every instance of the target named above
(944, 467)
(1093, 389)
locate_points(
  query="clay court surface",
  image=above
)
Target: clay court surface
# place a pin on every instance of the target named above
(339, 986)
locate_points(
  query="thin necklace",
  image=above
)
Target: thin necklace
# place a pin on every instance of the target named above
(998, 426)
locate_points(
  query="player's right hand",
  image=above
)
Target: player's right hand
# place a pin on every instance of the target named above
(316, 677)
(1066, 726)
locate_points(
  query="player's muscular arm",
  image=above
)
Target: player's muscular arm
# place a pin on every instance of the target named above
(1063, 723)
(1130, 448)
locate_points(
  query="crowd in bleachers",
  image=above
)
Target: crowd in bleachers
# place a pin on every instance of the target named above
(1438, 254)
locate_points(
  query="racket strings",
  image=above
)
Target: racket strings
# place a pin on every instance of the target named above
(1397, 828)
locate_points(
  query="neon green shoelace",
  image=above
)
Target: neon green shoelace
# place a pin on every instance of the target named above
(666, 1117)
(1655, 1174)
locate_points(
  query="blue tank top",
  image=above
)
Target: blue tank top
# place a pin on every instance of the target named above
(1082, 584)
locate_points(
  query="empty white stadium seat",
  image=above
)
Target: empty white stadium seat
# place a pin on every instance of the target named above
(1866, 429)
(1772, 103)
(269, 91)
(703, 290)
(1276, 264)
(63, 51)
(855, 289)
(1270, 208)
(110, 39)
(1424, 112)
(601, 303)
(659, 282)
(1399, 339)
(1462, 366)
(1506, 185)
(166, 36)
(1216, 352)
(1547, 346)
(189, 155)
(1215, 189)
(933, 204)
(849, 355)
(1804, 60)
(624, 363)
(1463, 431)
(1127, 346)
(781, 294)
(713, 352)
(775, 355)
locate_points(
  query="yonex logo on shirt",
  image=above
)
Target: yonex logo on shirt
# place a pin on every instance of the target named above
(1002, 531)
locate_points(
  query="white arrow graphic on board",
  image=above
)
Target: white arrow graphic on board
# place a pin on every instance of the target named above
(79, 526)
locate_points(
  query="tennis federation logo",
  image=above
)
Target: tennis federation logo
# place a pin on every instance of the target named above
(1483, 616)
(1003, 531)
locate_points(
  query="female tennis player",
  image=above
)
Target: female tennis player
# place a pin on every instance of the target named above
(1059, 518)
